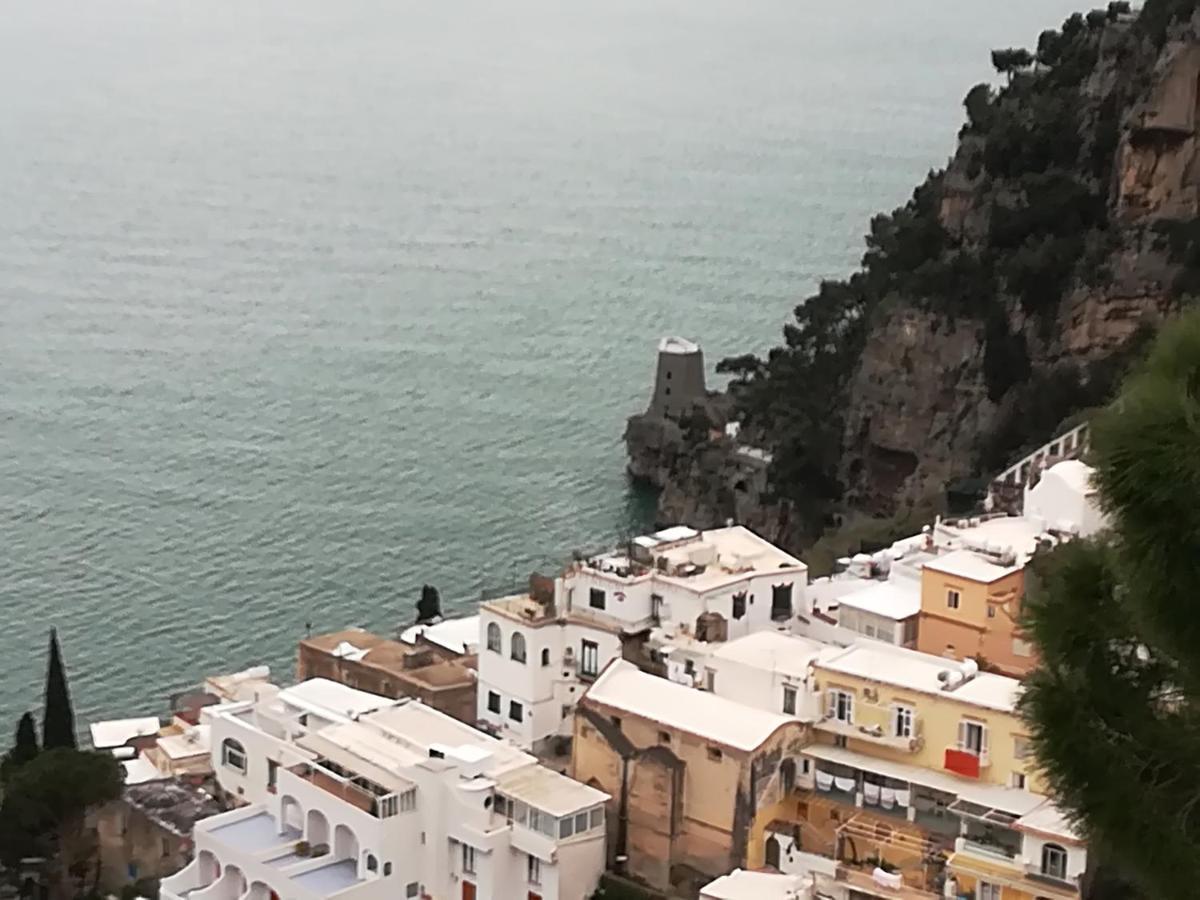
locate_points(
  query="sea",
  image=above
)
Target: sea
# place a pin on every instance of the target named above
(306, 304)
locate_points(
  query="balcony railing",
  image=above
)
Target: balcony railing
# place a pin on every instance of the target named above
(965, 762)
(378, 805)
(987, 851)
(863, 882)
(875, 734)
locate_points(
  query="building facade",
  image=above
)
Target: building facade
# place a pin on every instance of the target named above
(686, 772)
(538, 652)
(365, 797)
(425, 671)
(920, 769)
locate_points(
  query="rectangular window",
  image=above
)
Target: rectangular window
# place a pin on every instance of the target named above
(991, 611)
(664, 737)
(1018, 780)
(589, 658)
(789, 700)
(566, 827)
(597, 817)
(839, 705)
(581, 823)
(710, 680)
(468, 859)
(902, 721)
(596, 598)
(952, 599)
(233, 756)
(412, 889)
(515, 711)
(1054, 861)
(988, 891)
(972, 737)
(739, 605)
(493, 702)
(533, 869)
(781, 602)
(714, 754)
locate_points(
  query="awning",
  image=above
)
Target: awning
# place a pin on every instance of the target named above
(991, 796)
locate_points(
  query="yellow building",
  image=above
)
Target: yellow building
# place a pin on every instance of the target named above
(686, 771)
(920, 764)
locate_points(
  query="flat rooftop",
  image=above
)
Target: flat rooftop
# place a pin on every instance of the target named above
(1018, 535)
(331, 699)
(623, 686)
(774, 650)
(970, 565)
(743, 885)
(698, 560)
(894, 599)
(915, 671)
(549, 791)
(458, 635)
(118, 732)
(420, 727)
(523, 608)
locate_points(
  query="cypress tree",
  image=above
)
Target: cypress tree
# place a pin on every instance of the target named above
(58, 720)
(1115, 705)
(24, 748)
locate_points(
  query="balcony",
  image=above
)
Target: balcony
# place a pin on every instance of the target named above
(874, 734)
(863, 882)
(1026, 879)
(993, 852)
(358, 792)
(250, 854)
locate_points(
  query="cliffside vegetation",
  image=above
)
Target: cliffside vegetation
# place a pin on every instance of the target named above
(1113, 705)
(1024, 215)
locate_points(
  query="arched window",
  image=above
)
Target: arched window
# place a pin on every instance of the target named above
(372, 863)
(493, 637)
(233, 755)
(545, 656)
(1054, 861)
(518, 647)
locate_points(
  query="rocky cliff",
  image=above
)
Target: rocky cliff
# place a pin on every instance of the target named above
(1006, 297)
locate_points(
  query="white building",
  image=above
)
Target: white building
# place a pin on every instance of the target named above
(360, 796)
(742, 885)
(1065, 499)
(537, 655)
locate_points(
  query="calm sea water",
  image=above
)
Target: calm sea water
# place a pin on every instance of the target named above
(304, 304)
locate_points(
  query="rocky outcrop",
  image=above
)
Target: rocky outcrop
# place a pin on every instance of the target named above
(924, 405)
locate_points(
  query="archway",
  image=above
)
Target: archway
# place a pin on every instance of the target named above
(772, 852)
(317, 830)
(207, 867)
(291, 815)
(345, 844)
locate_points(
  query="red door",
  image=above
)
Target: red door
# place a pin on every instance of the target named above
(468, 891)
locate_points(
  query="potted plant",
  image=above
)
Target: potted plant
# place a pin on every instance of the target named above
(303, 848)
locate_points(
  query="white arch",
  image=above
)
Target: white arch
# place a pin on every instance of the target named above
(316, 829)
(291, 814)
(345, 843)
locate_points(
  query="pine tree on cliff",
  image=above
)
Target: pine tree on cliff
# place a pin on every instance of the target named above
(58, 720)
(1115, 704)
(24, 748)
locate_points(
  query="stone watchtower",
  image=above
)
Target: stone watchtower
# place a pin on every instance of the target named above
(679, 381)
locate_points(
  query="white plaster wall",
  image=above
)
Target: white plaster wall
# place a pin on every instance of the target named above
(634, 607)
(580, 865)
(1031, 855)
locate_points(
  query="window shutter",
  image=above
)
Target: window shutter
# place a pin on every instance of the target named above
(983, 740)
(962, 735)
(830, 704)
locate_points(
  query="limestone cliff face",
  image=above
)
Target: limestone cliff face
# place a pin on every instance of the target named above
(928, 399)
